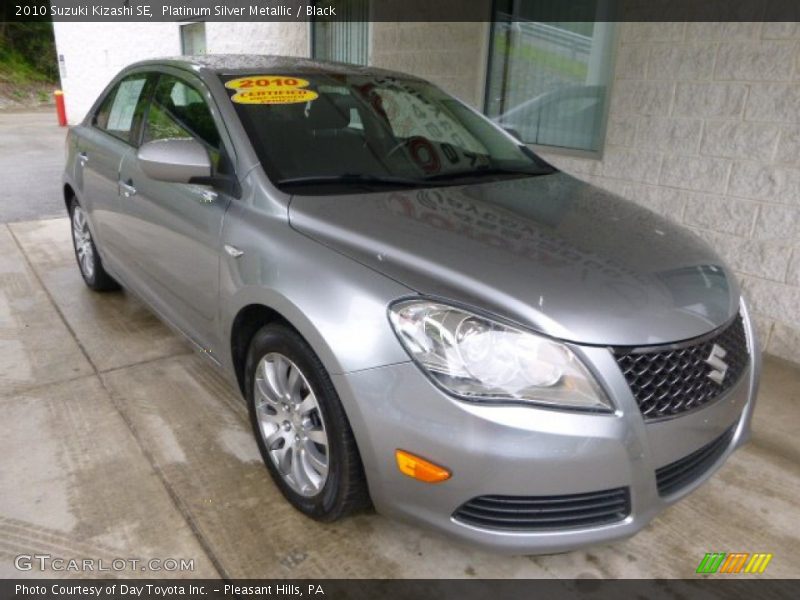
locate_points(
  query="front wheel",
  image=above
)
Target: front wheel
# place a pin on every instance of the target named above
(86, 254)
(301, 428)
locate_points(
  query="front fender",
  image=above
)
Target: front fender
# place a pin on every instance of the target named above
(338, 305)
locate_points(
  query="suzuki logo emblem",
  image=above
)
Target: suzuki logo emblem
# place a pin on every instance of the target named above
(718, 366)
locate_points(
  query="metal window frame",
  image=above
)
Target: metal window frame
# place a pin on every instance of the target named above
(556, 150)
(183, 27)
(312, 35)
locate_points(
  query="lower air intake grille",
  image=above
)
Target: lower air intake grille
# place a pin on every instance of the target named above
(682, 472)
(529, 513)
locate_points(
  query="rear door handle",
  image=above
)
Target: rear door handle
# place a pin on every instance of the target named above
(84, 158)
(127, 189)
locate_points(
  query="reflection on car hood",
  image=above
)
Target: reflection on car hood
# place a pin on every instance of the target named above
(551, 252)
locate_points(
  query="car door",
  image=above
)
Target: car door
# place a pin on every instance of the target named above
(102, 145)
(173, 229)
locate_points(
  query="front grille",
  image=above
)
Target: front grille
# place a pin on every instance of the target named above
(671, 381)
(528, 513)
(684, 471)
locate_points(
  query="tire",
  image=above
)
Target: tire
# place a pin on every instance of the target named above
(293, 406)
(89, 263)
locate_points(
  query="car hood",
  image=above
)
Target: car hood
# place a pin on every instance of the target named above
(551, 252)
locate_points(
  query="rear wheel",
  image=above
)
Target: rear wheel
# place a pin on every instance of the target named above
(89, 262)
(299, 423)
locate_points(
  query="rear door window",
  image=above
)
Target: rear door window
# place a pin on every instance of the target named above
(121, 113)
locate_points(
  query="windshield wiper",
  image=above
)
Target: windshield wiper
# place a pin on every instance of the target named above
(356, 178)
(481, 171)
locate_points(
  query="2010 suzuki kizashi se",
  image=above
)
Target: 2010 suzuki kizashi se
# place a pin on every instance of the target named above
(420, 312)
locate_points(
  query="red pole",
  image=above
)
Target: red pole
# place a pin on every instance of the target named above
(61, 110)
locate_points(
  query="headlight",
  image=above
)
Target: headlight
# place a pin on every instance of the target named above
(478, 359)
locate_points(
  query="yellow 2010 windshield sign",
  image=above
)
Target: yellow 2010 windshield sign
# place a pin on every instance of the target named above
(270, 89)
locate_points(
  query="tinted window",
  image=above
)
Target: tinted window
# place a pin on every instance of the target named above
(121, 112)
(323, 126)
(178, 110)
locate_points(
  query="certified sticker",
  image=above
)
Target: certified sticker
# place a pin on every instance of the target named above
(265, 96)
(270, 89)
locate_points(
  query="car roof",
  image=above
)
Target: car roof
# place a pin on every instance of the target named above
(285, 65)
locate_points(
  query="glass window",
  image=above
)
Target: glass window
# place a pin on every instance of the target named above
(549, 81)
(193, 39)
(178, 110)
(361, 131)
(409, 116)
(121, 112)
(344, 38)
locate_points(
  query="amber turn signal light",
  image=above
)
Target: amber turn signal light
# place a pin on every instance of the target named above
(419, 468)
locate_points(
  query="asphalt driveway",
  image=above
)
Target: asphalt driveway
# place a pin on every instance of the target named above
(119, 442)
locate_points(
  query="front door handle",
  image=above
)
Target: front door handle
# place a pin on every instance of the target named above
(83, 158)
(208, 196)
(233, 251)
(127, 189)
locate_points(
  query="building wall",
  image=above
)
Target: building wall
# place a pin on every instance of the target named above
(704, 127)
(288, 39)
(96, 52)
(453, 55)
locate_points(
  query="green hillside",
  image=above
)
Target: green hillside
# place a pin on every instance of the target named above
(28, 68)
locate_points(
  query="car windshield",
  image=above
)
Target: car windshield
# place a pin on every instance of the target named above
(319, 133)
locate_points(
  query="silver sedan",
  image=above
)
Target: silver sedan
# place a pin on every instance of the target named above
(421, 313)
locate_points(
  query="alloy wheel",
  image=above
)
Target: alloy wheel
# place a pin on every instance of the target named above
(82, 239)
(291, 425)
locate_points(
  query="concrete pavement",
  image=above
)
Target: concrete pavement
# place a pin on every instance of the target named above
(31, 163)
(120, 442)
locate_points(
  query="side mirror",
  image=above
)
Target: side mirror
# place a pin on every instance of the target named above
(175, 160)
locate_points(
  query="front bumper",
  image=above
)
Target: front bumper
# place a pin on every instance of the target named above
(527, 451)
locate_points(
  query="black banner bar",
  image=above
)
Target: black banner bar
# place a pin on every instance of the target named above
(400, 10)
(747, 587)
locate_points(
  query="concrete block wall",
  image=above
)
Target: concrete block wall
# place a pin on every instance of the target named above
(452, 55)
(704, 127)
